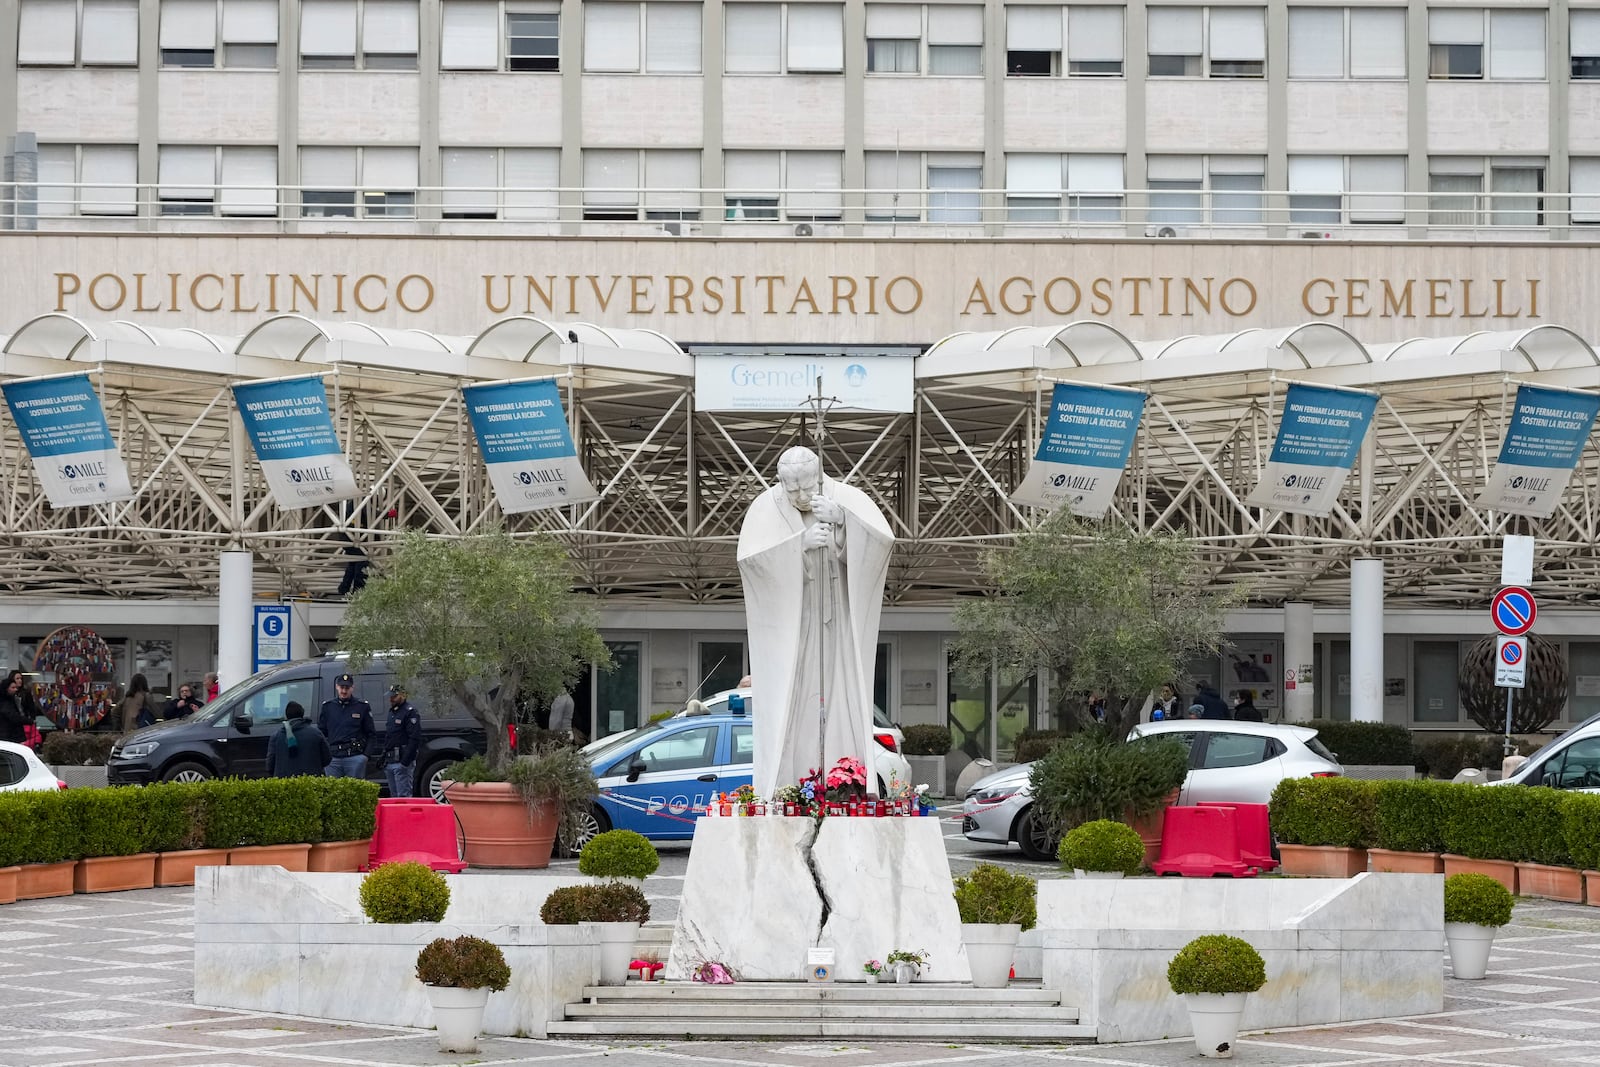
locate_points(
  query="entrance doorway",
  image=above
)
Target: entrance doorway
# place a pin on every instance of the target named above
(987, 711)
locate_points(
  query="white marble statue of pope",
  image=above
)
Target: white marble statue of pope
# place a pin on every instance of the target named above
(813, 554)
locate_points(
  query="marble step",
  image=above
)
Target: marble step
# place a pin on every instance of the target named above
(852, 1029)
(917, 992)
(789, 1010)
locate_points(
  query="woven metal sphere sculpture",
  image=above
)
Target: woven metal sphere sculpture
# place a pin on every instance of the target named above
(1532, 708)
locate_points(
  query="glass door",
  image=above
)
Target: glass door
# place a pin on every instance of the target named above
(616, 692)
(1438, 688)
(721, 667)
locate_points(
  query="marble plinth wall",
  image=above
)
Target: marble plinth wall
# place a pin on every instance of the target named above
(1369, 947)
(753, 897)
(267, 939)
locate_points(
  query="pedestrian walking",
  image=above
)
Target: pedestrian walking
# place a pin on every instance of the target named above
(401, 739)
(135, 709)
(298, 748)
(1211, 702)
(346, 721)
(17, 709)
(1244, 707)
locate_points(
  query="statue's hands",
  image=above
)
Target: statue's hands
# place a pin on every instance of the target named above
(819, 535)
(826, 510)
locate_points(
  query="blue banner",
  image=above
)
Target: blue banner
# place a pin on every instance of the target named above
(1542, 446)
(1084, 448)
(292, 432)
(64, 429)
(1319, 437)
(522, 433)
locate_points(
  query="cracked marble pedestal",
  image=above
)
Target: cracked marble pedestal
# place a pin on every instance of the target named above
(751, 899)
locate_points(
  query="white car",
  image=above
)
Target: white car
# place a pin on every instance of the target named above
(21, 770)
(1571, 761)
(887, 758)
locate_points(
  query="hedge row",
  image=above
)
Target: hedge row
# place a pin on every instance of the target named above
(56, 826)
(1364, 744)
(1522, 824)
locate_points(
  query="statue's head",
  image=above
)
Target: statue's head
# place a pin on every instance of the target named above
(800, 474)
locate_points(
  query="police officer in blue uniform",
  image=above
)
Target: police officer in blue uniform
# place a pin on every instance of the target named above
(346, 722)
(401, 739)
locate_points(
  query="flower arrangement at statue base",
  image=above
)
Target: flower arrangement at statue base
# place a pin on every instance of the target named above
(841, 792)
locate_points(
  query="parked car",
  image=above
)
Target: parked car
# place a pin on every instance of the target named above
(1571, 761)
(22, 771)
(888, 759)
(1228, 760)
(228, 737)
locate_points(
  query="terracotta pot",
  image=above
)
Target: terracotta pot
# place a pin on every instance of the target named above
(1149, 827)
(289, 857)
(113, 874)
(1553, 883)
(1322, 861)
(1591, 888)
(1502, 871)
(498, 829)
(1393, 862)
(339, 855)
(8, 884)
(177, 868)
(35, 880)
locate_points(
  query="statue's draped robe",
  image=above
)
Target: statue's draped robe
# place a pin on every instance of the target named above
(786, 634)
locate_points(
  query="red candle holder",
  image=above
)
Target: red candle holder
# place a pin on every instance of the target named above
(791, 808)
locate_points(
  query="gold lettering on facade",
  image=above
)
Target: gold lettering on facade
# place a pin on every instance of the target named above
(66, 285)
(980, 296)
(1100, 290)
(95, 289)
(1136, 310)
(361, 284)
(1050, 299)
(841, 294)
(803, 293)
(194, 292)
(679, 288)
(769, 280)
(427, 288)
(238, 299)
(1323, 307)
(711, 290)
(1397, 304)
(312, 293)
(638, 293)
(1192, 296)
(888, 295)
(138, 295)
(1355, 297)
(1232, 285)
(1027, 294)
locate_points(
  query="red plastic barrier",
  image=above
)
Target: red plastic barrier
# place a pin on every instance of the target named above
(1255, 832)
(418, 830)
(1201, 842)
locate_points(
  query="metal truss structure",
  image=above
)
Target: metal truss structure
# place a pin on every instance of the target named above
(675, 481)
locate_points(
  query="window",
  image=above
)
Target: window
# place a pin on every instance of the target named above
(743, 744)
(350, 182)
(685, 750)
(470, 36)
(954, 188)
(87, 179)
(1334, 42)
(1585, 185)
(64, 33)
(1377, 187)
(13, 768)
(265, 706)
(358, 34)
(1437, 697)
(1456, 40)
(1516, 191)
(784, 38)
(1577, 767)
(900, 183)
(516, 184)
(1091, 191)
(1094, 41)
(1235, 750)
(202, 180)
(1321, 187)
(894, 38)
(1585, 45)
(651, 37)
(1194, 190)
(1034, 41)
(205, 34)
(1515, 187)
(955, 40)
(894, 186)
(619, 183)
(807, 186)
(1316, 190)
(1178, 42)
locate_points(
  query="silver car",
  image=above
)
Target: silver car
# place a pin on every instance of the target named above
(1229, 761)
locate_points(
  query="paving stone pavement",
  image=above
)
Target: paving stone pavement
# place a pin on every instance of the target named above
(91, 980)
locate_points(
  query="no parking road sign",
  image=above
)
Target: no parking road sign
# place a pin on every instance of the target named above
(1511, 662)
(1513, 611)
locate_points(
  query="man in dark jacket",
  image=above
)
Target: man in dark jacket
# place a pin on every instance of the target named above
(346, 722)
(401, 740)
(1210, 700)
(1244, 707)
(185, 703)
(298, 748)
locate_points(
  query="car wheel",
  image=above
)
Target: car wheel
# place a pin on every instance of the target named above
(1034, 837)
(187, 772)
(596, 822)
(433, 780)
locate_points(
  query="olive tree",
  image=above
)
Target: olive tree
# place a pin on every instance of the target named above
(1102, 608)
(486, 618)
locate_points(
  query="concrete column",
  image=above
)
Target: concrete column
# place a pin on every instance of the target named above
(235, 622)
(1299, 639)
(299, 629)
(1366, 640)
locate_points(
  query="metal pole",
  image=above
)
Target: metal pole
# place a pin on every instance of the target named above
(1509, 747)
(821, 578)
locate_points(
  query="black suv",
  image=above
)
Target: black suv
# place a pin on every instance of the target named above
(228, 737)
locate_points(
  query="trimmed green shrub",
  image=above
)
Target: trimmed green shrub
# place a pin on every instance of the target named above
(927, 740)
(1536, 812)
(463, 963)
(1411, 815)
(274, 811)
(405, 893)
(1580, 825)
(560, 777)
(618, 854)
(14, 812)
(1365, 744)
(1217, 963)
(178, 813)
(1479, 823)
(1102, 845)
(1336, 812)
(992, 894)
(114, 821)
(349, 809)
(1092, 775)
(49, 826)
(1445, 757)
(63, 749)
(1033, 749)
(1476, 899)
(604, 902)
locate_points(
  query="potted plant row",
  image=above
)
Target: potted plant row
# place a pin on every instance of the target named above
(126, 837)
(1323, 825)
(995, 906)
(617, 910)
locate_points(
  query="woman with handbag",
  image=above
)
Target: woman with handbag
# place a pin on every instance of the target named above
(17, 709)
(135, 704)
